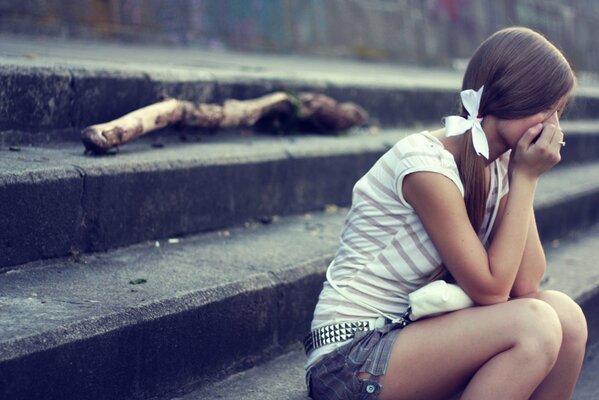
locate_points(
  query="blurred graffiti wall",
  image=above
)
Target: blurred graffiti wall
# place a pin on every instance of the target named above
(423, 32)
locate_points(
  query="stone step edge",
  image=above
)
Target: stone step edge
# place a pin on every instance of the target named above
(214, 313)
(264, 290)
(62, 98)
(85, 344)
(191, 187)
(185, 189)
(257, 282)
(283, 376)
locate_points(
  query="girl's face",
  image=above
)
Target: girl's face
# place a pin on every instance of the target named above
(511, 130)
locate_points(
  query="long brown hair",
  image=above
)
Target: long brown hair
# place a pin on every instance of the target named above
(523, 74)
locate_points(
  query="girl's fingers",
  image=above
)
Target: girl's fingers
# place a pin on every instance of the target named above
(531, 134)
(548, 135)
(552, 133)
(539, 148)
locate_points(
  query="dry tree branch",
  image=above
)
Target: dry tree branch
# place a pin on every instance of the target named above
(317, 108)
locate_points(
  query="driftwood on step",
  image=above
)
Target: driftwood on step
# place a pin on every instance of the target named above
(279, 110)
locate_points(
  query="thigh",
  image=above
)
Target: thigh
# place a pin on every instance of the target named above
(436, 357)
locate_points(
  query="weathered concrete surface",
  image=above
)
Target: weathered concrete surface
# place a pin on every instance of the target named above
(59, 202)
(35, 98)
(41, 209)
(59, 87)
(283, 378)
(588, 388)
(582, 143)
(567, 194)
(210, 305)
(80, 204)
(572, 269)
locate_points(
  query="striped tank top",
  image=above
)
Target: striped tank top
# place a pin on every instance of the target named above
(385, 253)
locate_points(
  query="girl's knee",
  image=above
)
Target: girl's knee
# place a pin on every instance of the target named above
(571, 316)
(535, 313)
(537, 329)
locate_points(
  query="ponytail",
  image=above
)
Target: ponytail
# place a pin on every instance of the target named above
(472, 172)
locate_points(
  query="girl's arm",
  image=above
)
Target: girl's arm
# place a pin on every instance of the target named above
(487, 276)
(533, 264)
(532, 267)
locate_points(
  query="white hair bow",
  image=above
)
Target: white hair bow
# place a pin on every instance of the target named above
(456, 125)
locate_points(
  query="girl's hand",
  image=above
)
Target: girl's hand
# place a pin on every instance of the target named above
(539, 149)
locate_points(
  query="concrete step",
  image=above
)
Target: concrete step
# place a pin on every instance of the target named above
(140, 321)
(283, 378)
(572, 269)
(566, 199)
(55, 201)
(231, 298)
(58, 87)
(582, 140)
(588, 388)
(278, 379)
(169, 314)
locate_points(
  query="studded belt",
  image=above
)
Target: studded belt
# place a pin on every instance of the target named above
(339, 332)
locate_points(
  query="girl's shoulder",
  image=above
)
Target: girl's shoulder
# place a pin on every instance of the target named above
(421, 152)
(422, 149)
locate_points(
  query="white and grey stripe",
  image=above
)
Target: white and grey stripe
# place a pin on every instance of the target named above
(385, 252)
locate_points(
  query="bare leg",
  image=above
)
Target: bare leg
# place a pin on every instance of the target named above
(479, 349)
(560, 382)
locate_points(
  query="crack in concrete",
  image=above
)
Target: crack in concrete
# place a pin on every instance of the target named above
(73, 95)
(81, 237)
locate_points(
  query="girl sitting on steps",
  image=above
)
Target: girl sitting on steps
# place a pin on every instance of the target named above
(456, 203)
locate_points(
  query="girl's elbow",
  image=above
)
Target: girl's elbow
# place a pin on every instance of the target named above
(490, 299)
(490, 296)
(524, 290)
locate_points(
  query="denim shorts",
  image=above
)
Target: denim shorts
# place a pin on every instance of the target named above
(335, 376)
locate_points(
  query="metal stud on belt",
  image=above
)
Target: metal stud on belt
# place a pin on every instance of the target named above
(333, 333)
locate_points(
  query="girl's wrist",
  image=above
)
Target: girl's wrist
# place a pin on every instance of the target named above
(523, 174)
(523, 182)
